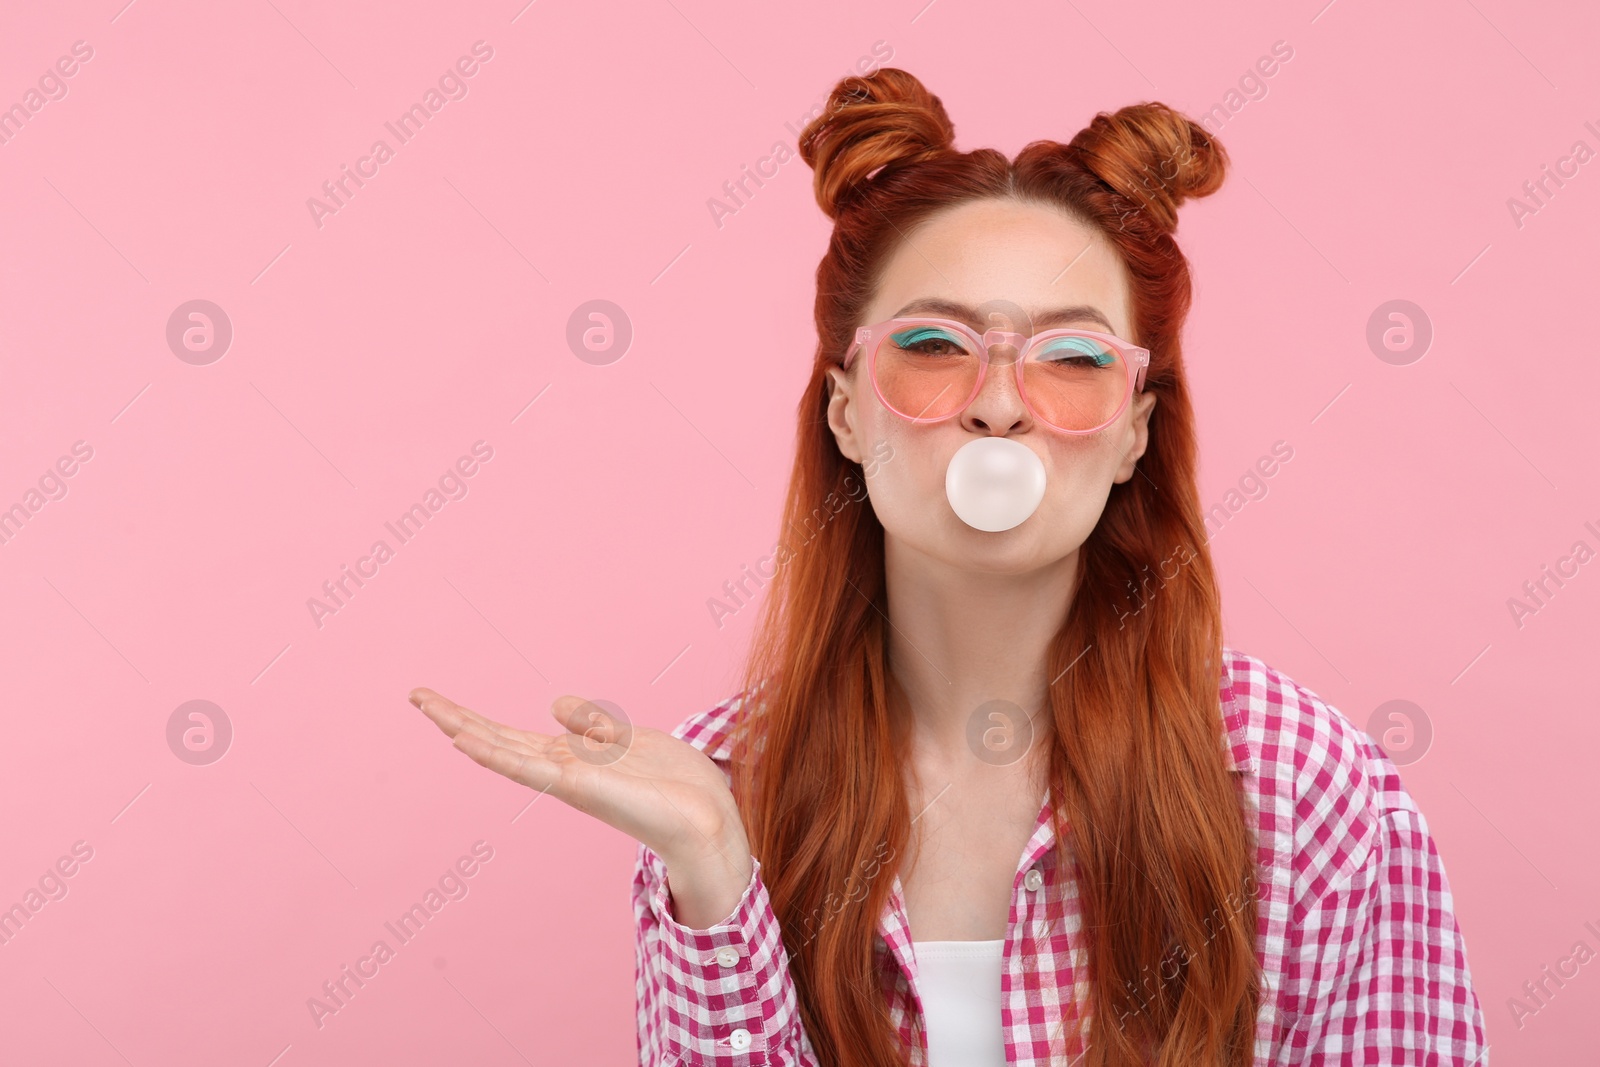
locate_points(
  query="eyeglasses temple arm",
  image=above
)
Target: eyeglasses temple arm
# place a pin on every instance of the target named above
(863, 335)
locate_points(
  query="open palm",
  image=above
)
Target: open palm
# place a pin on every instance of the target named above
(658, 789)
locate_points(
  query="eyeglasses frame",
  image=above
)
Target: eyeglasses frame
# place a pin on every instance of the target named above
(870, 338)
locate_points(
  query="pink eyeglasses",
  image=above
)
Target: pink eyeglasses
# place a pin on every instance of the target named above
(928, 369)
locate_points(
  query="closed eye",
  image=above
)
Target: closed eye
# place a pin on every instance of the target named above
(1076, 352)
(928, 341)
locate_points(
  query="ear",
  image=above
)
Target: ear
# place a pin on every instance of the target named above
(842, 412)
(1137, 436)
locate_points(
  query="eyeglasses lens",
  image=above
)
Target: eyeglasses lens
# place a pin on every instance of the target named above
(928, 371)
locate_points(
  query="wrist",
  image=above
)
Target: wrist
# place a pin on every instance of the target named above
(722, 855)
(710, 841)
(706, 884)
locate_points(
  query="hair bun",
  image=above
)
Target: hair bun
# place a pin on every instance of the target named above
(1154, 156)
(887, 118)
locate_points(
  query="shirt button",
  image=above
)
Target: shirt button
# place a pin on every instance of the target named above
(739, 1039)
(1033, 879)
(727, 956)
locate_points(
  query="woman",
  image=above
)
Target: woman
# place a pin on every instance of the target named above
(992, 775)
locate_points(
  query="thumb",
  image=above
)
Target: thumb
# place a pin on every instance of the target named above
(598, 722)
(562, 709)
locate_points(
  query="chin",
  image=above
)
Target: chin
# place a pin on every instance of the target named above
(1018, 550)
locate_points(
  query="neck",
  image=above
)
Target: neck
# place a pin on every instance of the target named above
(960, 639)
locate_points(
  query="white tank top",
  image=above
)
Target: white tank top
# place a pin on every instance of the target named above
(959, 983)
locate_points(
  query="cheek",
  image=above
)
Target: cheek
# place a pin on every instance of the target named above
(1079, 480)
(910, 482)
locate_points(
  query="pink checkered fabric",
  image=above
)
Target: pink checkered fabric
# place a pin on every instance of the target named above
(1363, 961)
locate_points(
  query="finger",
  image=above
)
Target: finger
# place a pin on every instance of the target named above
(490, 728)
(532, 744)
(445, 713)
(563, 707)
(516, 762)
(449, 716)
(591, 722)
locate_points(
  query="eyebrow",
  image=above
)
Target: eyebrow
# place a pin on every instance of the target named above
(1043, 320)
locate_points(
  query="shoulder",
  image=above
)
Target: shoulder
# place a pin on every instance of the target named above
(1324, 785)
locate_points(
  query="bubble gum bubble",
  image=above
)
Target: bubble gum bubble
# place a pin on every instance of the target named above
(994, 483)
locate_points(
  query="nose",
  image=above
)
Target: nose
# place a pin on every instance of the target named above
(998, 409)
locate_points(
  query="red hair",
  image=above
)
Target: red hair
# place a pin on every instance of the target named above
(1137, 766)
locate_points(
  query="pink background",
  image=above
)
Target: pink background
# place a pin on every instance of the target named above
(432, 308)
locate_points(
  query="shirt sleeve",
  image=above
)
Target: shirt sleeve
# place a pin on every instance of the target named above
(1377, 969)
(718, 997)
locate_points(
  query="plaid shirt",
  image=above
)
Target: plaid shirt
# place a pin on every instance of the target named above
(1362, 960)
